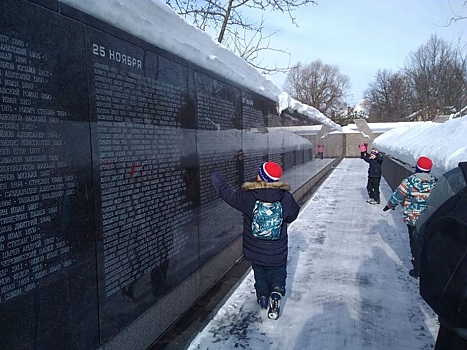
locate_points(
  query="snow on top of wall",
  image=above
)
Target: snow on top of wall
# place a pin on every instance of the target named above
(154, 22)
(444, 143)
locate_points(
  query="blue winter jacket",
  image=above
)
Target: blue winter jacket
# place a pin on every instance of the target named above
(255, 250)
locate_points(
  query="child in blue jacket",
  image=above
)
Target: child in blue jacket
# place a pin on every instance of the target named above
(267, 254)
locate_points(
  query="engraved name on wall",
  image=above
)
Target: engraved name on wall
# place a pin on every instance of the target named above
(143, 202)
(34, 175)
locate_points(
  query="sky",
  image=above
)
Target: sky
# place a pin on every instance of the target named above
(363, 36)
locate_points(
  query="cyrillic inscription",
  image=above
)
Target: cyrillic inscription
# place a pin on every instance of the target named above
(33, 174)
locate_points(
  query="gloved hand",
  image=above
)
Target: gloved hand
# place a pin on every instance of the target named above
(385, 208)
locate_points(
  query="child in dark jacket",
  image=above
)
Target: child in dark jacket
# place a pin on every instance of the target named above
(267, 254)
(375, 159)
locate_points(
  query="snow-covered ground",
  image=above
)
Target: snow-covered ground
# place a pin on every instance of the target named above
(348, 285)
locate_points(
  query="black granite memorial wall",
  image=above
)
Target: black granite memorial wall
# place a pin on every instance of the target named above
(47, 238)
(107, 144)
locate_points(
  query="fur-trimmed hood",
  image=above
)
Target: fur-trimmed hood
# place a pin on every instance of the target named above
(255, 250)
(249, 186)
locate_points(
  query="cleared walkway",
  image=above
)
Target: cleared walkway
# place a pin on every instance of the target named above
(348, 285)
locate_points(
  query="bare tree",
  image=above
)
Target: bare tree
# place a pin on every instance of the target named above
(433, 83)
(318, 85)
(437, 77)
(388, 98)
(461, 75)
(245, 38)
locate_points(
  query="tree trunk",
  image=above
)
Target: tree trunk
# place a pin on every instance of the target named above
(224, 23)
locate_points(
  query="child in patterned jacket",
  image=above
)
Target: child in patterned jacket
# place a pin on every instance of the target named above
(412, 195)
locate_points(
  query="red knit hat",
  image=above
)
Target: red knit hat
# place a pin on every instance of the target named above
(270, 171)
(424, 165)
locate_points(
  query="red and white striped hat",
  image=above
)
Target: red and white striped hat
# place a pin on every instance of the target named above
(270, 171)
(424, 165)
